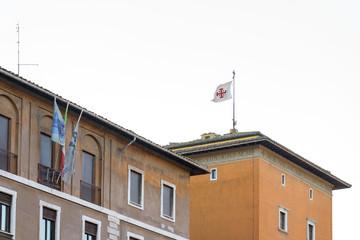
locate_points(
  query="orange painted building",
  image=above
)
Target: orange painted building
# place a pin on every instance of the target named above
(257, 189)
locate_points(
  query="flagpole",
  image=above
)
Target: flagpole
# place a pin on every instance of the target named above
(234, 122)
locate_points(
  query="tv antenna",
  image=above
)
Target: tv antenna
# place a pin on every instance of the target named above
(18, 43)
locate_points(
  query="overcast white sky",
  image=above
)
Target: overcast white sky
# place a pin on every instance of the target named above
(153, 66)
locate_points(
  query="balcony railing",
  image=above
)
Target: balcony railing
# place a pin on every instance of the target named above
(8, 161)
(90, 193)
(49, 177)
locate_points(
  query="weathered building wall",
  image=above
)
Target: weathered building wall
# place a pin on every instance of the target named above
(31, 114)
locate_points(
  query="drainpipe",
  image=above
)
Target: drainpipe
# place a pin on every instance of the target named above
(128, 144)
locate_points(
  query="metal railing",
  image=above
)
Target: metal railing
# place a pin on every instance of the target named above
(49, 177)
(8, 161)
(90, 192)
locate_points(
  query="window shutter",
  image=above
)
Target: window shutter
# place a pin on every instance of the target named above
(49, 214)
(90, 228)
(5, 199)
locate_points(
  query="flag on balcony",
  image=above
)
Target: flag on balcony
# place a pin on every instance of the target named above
(68, 170)
(222, 92)
(58, 127)
(62, 163)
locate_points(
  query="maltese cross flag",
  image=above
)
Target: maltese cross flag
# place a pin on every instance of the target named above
(222, 92)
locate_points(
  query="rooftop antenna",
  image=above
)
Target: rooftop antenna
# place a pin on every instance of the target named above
(18, 43)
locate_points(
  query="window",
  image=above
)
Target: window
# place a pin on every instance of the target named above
(5, 203)
(168, 200)
(213, 174)
(4, 143)
(310, 229)
(46, 151)
(133, 236)
(47, 174)
(49, 221)
(7, 213)
(283, 179)
(90, 231)
(89, 191)
(91, 228)
(311, 194)
(135, 187)
(283, 218)
(48, 224)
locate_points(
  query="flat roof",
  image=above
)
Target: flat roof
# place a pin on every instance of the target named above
(240, 139)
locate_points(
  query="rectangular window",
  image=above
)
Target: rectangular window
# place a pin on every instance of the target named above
(213, 174)
(5, 204)
(311, 194)
(135, 187)
(7, 213)
(46, 151)
(283, 218)
(283, 179)
(168, 200)
(311, 229)
(48, 224)
(88, 163)
(91, 228)
(49, 221)
(90, 231)
(89, 191)
(4, 143)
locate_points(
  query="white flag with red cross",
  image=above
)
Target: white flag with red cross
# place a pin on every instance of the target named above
(222, 92)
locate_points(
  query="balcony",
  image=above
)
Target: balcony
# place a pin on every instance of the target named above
(90, 193)
(49, 177)
(8, 161)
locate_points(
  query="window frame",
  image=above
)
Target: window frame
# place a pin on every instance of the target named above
(84, 219)
(173, 186)
(52, 160)
(283, 179)
(12, 214)
(311, 194)
(285, 211)
(211, 174)
(56, 208)
(142, 173)
(133, 235)
(311, 222)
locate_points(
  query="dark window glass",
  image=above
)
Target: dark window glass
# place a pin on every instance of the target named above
(5, 203)
(282, 220)
(48, 224)
(135, 187)
(168, 195)
(90, 231)
(311, 232)
(88, 161)
(4, 133)
(213, 174)
(46, 151)
(4, 143)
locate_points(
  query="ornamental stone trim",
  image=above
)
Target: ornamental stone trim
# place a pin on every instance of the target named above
(113, 228)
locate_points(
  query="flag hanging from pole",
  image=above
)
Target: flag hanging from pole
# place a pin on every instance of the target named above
(63, 147)
(68, 170)
(222, 92)
(58, 127)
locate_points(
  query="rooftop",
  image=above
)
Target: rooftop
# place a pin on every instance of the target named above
(214, 142)
(194, 167)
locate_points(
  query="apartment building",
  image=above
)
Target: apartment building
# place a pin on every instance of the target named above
(124, 187)
(257, 189)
